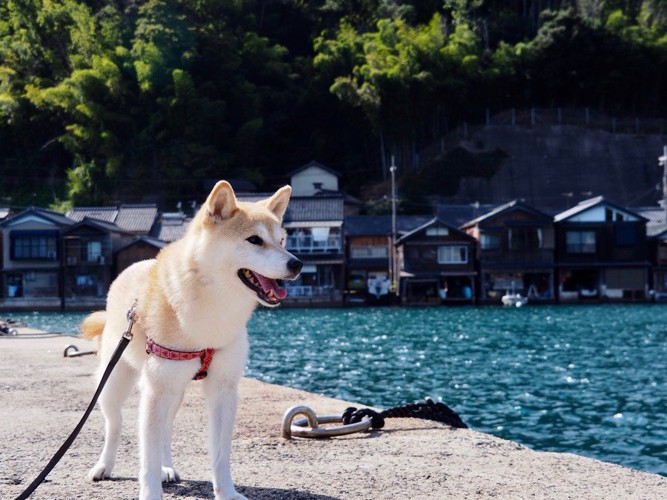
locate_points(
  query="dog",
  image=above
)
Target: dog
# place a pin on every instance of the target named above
(194, 299)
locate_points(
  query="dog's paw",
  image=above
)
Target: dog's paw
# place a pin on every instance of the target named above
(170, 475)
(234, 495)
(99, 472)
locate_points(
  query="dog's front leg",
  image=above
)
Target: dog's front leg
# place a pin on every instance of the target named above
(222, 403)
(158, 404)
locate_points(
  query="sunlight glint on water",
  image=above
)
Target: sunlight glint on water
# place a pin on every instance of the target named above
(587, 380)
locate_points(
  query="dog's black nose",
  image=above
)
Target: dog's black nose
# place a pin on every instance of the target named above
(294, 265)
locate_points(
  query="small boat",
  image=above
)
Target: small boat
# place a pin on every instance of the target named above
(514, 300)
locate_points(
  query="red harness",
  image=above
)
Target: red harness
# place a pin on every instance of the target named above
(206, 356)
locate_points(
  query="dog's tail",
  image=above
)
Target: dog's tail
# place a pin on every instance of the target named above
(93, 325)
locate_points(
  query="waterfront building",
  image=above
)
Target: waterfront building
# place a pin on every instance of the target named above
(368, 243)
(31, 276)
(595, 251)
(88, 270)
(601, 253)
(437, 263)
(515, 253)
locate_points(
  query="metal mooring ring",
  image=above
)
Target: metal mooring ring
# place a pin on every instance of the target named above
(298, 428)
(68, 349)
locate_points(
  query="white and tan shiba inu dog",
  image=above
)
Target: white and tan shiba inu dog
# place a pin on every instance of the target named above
(194, 301)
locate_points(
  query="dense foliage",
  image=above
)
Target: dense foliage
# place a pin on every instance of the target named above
(116, 100)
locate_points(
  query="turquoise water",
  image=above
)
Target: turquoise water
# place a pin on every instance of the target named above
(590, 380)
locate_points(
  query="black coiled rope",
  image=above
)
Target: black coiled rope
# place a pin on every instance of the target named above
(429, 410)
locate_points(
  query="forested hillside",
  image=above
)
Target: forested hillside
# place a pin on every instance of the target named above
(131, 100)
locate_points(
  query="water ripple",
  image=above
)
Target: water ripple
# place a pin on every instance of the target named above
(587, 380)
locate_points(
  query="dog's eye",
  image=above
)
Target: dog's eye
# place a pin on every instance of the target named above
(255, 240)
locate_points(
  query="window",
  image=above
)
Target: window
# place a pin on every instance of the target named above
(580, 241)
(525, 238)
(437, 231)
(490, 241)
(370, 252)
(94, 251)
(34, 245)
(453, 254)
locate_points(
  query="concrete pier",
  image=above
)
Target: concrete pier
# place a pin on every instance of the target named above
(43, 395)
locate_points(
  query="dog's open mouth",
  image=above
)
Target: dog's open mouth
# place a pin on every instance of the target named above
(267, 289)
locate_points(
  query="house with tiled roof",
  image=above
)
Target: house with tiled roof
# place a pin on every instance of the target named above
(437, 262)
(88, 266)
(31, 276)
(601, 253)
(515, 252)
(314, 228)
(368, 243)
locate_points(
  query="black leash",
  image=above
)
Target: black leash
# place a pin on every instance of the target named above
(124, 341)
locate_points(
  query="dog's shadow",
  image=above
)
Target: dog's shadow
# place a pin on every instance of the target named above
(204, 490)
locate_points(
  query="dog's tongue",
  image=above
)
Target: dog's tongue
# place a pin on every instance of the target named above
(270, 284)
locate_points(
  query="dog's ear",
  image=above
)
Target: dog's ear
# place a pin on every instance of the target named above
(221, 203)
(278, 202)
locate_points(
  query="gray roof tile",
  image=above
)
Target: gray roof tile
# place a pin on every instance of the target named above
(106, 214)
(380, 225)
(138, 219)
(306, 208)
(171, 226)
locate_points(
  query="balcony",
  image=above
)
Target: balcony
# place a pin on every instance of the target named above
(309, 244)
(87, 253)
(310, 295)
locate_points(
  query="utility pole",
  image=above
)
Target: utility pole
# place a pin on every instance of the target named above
(662, 161)
(394, 264)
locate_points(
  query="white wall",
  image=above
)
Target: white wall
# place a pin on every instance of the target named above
(303, 183)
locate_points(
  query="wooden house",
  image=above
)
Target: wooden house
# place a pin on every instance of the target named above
(601, 253)
(140, 248)
(437, 263)
(31, 275)
(368, 242)
(103, 242)
(515, 253)
(88, 268)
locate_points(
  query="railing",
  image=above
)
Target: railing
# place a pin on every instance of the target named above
(308, 291)
(308, 244)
